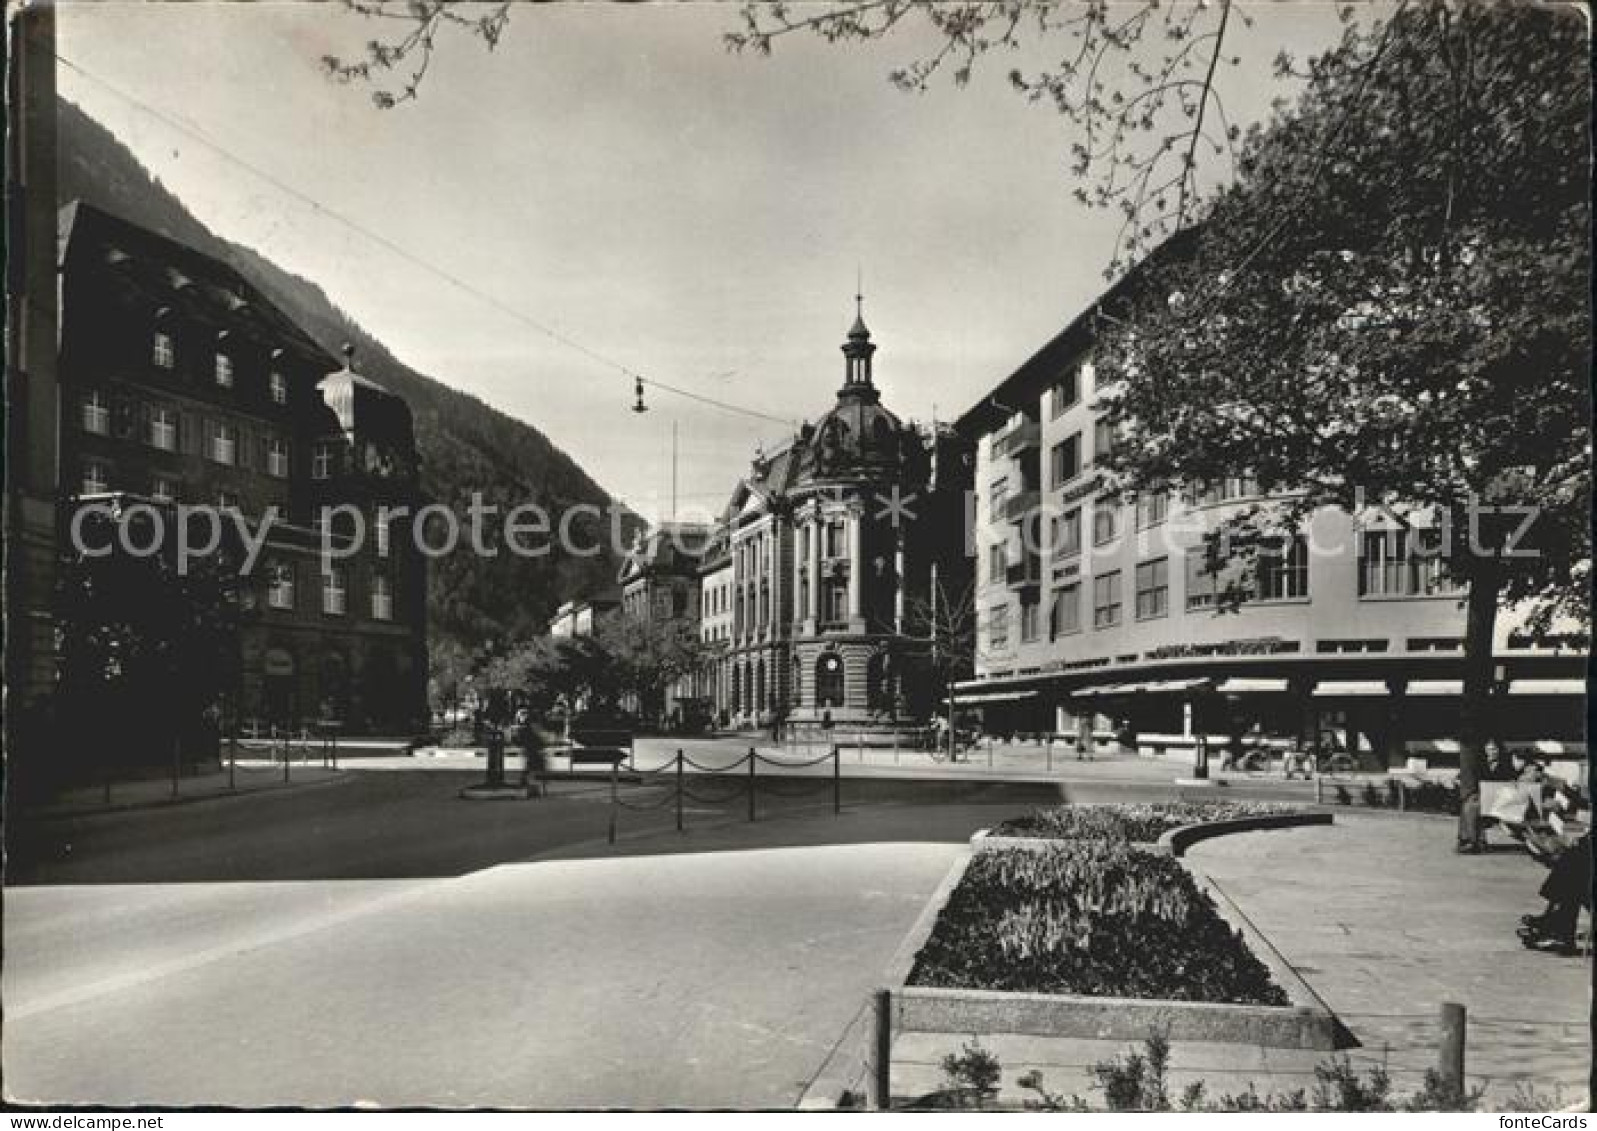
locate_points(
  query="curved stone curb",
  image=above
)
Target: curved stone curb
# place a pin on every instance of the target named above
(1172, 843)
(1178, 840)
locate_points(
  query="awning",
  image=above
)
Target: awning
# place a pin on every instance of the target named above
(1436, 687)
(1348, 688)
(1547, 687)
(1161, 687)
(992, 697)
(1240, 685)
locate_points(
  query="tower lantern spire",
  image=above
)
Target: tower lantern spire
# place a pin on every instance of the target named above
(857, 350)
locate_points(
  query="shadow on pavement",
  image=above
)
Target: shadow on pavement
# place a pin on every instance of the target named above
(410, 825)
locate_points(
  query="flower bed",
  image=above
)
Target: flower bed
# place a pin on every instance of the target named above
(1138, 824)
(1089, 918)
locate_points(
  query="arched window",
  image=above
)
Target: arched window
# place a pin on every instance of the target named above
(829, 680)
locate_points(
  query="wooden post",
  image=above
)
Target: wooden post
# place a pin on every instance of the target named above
(879, 1079)
(837, 781)
(751, 783)
(679, 790)
(1451, 1068)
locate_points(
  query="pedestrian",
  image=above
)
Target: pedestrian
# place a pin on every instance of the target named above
(1567, 889)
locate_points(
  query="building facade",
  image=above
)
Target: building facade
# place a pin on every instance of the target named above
(660, 587)
(182, 385)
(1100, 612)
(815, 595)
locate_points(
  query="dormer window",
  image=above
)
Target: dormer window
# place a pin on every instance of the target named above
(163, 355)
(224, 371)
(279, 387)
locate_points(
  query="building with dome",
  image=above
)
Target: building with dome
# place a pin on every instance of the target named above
(816, 592)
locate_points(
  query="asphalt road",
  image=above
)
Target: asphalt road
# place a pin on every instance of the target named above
(408, 825)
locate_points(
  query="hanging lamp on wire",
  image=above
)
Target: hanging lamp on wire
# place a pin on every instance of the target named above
(637, 391)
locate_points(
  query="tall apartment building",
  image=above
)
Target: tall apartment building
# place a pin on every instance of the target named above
(182, 384)
(1102, 610)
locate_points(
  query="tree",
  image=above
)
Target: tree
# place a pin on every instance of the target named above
(650, 656)
(148, 653)
(1390, 308)
(945, 621)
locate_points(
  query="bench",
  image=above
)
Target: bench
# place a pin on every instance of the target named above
(603, 747)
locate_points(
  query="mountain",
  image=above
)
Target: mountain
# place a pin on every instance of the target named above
(465, 445)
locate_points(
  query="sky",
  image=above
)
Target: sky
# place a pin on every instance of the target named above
(611, 173)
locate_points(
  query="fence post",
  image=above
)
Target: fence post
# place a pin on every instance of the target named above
(837, 782)
(880, 1077)
(614, 799)
(751, 783)
(1050, 745)
(232, 759)
(1451, 1068)
(679, 790)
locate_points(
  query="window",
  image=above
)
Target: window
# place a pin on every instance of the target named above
(96, 478)
(382, 597)
(1066, 533)
(224, 443)
(163, 354)
(835, 544)
(1106, 600)
(1283, 571)
(836, 603)
(277, 458)
(997, 561)
(163, 429)
(1105, 523)
(96, 413)
(1201, 584)
(1402, 563)
(280, 585)
(1152, 508)
(227, 500)
(1064, 460)
(1222, 491)
(1153, 588)
(322, 461)
(1030, 617)
(334, 587)
(1103, 441)
(1066, 392)
(278, 385)
(224, 371)
(996, 495)
(163, 490)
(998, 626)
(1064, 616)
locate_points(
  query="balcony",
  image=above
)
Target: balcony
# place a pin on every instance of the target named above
(1017, 439)
(1019, 505)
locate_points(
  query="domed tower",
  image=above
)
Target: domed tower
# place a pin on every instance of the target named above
(859, 468)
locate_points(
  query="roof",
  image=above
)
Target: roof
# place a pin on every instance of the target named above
(1042, 368)
(159, 271)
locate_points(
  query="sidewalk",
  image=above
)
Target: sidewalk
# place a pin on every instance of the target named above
(251, 777)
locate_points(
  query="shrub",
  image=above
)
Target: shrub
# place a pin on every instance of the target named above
(1139, 824)
(1095, 918)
